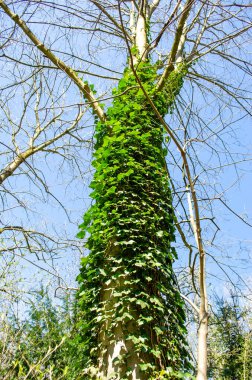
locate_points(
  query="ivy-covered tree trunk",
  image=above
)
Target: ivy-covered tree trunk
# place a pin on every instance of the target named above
(131, 307)
(133, 311)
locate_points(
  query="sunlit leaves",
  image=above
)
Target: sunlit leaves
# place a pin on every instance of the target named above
(127, 278)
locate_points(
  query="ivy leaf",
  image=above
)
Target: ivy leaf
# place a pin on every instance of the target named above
(146, 366)
(81, 234)
(129, 242)
(127, 174)
(111, 191)
(102, 271)
(142, 303)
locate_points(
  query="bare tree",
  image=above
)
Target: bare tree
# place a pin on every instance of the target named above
(209, 38)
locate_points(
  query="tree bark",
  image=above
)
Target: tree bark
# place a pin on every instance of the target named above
(202, 346)
(109, 351)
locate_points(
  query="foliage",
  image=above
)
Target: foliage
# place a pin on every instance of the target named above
(131, 230)
(230, 343)
(168, 373)
(43, 345)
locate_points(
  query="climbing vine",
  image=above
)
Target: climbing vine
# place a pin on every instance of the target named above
(127, 281)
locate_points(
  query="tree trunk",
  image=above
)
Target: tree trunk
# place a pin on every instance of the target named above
(133, 310)
(202, 346)
(110, 351)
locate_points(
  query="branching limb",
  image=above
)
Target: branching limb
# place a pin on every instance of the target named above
(155, 43)
(190, 303)
(153, 6)
(21, 157)
(84, 88)
(103, 10)
(176, 44)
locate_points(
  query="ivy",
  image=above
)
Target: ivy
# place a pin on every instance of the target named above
(170, 374)
(131, 231)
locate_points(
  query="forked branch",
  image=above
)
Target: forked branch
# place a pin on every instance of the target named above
(84, 87)
(176, 44)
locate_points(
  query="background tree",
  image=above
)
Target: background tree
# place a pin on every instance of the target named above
(179, 33)
(230, 341)
(41, 345)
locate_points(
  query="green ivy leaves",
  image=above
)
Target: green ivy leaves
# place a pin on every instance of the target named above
(127, 278)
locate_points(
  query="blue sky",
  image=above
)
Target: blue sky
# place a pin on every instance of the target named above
(70, 183)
